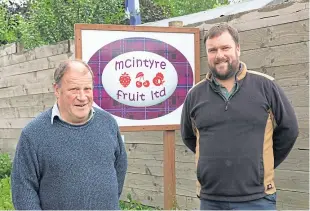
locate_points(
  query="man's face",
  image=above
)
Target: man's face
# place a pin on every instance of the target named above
(223, 56)
(75, 94)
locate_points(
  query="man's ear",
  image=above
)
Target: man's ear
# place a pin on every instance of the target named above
(238, 49)
(56, 90)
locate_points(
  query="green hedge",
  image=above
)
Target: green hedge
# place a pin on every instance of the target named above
(5, 182)
(5, 166)
(5, 194)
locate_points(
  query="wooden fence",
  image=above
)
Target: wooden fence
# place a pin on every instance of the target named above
(274, 40)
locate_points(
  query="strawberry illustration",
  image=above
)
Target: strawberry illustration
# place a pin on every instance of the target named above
(124, 79)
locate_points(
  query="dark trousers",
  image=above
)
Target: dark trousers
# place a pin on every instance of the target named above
(266, 203)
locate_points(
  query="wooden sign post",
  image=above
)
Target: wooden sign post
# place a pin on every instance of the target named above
(142, 75)
(169, 170)
(170, 201)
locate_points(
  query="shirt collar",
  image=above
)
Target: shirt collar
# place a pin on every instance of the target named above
(56, 112)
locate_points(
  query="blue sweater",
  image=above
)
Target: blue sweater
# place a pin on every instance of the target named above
(61, 166)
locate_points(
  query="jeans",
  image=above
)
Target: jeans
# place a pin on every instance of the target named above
(266, 203)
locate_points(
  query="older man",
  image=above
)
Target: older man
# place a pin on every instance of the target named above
(241, 126)
(71, 156)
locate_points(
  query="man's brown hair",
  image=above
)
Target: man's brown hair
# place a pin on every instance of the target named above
(218, 29)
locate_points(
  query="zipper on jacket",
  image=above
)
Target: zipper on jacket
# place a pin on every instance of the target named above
(224, 98)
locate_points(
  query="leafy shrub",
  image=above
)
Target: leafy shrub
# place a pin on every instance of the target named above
(5, 165)
(134, 205)
(5, 194)
(44, 22)
(8, 25)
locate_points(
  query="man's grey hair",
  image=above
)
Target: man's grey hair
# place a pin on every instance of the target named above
(65, 66)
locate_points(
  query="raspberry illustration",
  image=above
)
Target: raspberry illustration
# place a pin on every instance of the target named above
(124, 79)
(160, 75)
(158, 79)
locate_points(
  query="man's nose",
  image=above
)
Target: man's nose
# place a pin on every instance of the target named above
(81, 96)
(219, 54)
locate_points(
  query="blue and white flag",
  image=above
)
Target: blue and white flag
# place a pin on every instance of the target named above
(132, 9)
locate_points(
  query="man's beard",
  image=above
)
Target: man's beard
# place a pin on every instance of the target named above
(232, 68)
